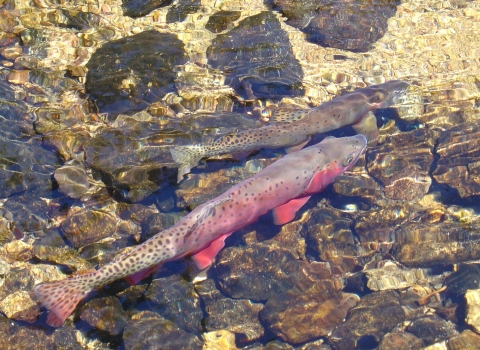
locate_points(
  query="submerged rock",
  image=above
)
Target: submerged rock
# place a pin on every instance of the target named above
(472, 298)
(127, 74)
(467, 340)
(147, 330)
(459, 163)
(258, 272)
(20, 306)
(424, 244)
(133, 156)
(222, 20)
(400, 341)
(465, 278)
(88, 226)
(104, 314)
(402, 164)
(62, 256)
(375, 315)
(301, 316)
(176, 300)
(219, 340)
(257, 57)
(237, 316)
(347, 25)
(135, 8)
(432, 329)
(72, 179)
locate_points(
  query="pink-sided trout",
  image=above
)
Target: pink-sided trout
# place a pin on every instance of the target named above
(293, 128)
(283, 186)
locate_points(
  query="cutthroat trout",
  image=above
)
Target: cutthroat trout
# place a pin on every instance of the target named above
(294, 128)
(283, 186)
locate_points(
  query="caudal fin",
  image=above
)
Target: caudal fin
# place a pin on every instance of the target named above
(61, 297)
(187, 157)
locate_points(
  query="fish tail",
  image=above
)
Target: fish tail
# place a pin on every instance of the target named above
(61, 297)
(187, 157)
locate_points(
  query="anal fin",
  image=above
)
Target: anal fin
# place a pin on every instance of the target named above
(140, 275)
(367, 126)
(204, 257)
(286, 212)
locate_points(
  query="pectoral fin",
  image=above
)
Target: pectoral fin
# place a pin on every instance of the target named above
(298, 146)
(205, 257)
(286, 212)
(367, 126)
(204, 213)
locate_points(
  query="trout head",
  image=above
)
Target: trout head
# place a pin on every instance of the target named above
(384, 95)
(334, 156)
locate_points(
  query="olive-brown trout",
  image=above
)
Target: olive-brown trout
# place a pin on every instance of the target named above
(293, 128)
(283, 186)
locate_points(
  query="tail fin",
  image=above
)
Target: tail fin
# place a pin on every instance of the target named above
(187, 157)
(61, 297)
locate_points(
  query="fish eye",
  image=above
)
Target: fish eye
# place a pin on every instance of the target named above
(348, 160)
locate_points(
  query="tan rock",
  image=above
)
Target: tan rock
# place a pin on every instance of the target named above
(472, 296)
(20, 306)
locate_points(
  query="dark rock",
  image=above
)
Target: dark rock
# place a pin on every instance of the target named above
(158, 222)
(257, 57)
(258, 272)
(72, 179)
(15, 337)
(375, 315)
(467, 340)
(237, 316)
(176, 300)
(400, 341)
(466, 277)
(147, 331)
(61, 256)
(88, 226)
(140, 8)
(25, 168)
(425, 244)
(16, 280)
(222, 20)
(432, 329)
(299, 316)
(379, 225)
(126, 74)
(402, 164)
(133, 157)
(182, 8)
(29, 214)
(105, 314)
(347, 25)
(65, 338)
(459, 163)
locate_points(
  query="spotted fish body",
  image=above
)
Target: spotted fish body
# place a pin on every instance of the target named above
(283, 186)
(293, 128)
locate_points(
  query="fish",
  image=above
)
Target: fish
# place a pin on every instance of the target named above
(293, 128)
(284, 187)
